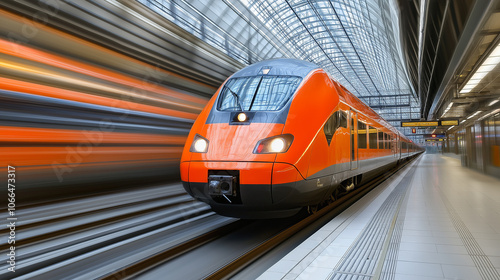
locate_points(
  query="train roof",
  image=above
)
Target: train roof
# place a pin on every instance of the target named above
(295, 67)
(349, 98)
(280, 66)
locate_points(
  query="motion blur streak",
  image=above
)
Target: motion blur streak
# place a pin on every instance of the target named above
(76, 116)
(60, 62)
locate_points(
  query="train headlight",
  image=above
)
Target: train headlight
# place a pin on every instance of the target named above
(242, 117)
(275, 144)
(200, 144)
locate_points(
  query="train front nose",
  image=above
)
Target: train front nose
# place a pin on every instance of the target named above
(241, 189)
(222, 185)
(241, 184)
(234, 174)
(242, 126)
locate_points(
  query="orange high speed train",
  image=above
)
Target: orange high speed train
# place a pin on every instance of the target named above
(281, 135)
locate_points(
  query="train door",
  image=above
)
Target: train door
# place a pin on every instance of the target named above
(353, 128)
(395, 145)
(400, 146)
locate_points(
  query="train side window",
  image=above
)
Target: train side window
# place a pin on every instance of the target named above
(342, 119)
(380, 140)
(329, 126)
(372, 138)
(389, 142)
(336, 120)
(385, 141)
(361, 135)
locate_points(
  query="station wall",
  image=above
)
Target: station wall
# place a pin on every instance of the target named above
(478, 145)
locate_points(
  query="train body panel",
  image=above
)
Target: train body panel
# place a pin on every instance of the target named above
(238, 147)
(280, 135)
(305, 121)
(198, 125)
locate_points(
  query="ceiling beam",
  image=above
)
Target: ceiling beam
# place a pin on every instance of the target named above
(478, 16)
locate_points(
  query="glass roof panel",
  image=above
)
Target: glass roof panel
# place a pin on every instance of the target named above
(357, 42)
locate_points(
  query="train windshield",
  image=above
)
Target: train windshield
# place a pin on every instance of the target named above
(257, 93)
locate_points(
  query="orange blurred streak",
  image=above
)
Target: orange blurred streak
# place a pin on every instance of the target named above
(73, 157)
(95, 137)
(110, 52)
(121, 94)
(26, 87)
(75, 66)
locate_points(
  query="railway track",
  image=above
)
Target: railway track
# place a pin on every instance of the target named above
(83, 237)
(223, 264)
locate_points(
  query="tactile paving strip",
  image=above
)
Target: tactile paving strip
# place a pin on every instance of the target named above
(389, 269)
(480, 259)
(361, 261)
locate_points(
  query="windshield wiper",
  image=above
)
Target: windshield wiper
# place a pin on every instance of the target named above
(255, 94)
(237, 98)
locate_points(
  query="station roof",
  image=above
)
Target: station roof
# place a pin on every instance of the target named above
(452, 57)
(394, 55)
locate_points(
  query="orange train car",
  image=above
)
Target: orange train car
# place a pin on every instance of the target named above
(281, 135)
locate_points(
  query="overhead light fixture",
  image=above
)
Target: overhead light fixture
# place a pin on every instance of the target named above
(493, 102)
(489, 114)
(488, 64)
(475, 114)
(451, 127)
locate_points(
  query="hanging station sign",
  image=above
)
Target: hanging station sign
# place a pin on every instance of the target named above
(428, 124)
(450, 122)
(419, 124)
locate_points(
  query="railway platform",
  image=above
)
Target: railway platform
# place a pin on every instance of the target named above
(433, 220)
